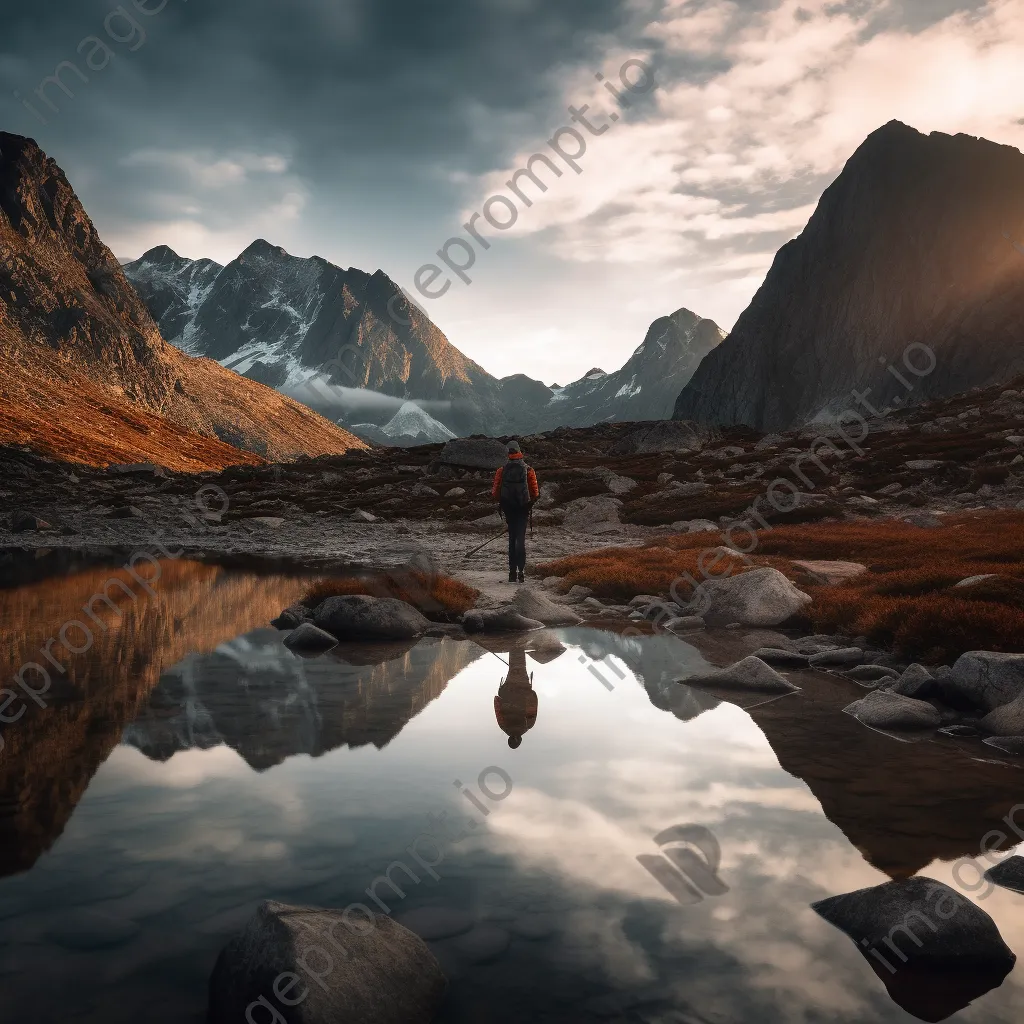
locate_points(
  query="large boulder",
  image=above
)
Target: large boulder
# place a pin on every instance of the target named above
(984, 679)
(304, 965)
(749, 674)
(664, 436)
(498, 620)
(933, 948)
(882, 709)
(916, 681)
(584, 514)
(357, 617)
(760, 597)
(474, 453)
(540, 607)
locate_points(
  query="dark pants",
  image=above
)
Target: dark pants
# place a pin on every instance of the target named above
(517, 518)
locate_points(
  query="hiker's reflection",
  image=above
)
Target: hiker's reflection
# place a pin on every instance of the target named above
(515, 707)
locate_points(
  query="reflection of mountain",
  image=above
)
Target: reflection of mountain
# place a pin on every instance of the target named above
(902, 805)
(50, 754)
(255, 696)
(658, 662)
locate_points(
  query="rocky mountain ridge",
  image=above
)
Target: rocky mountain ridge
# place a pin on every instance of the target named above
(905, 285)
(84, 372)
(296, 324)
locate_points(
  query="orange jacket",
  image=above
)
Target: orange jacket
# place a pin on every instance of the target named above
(531, 480)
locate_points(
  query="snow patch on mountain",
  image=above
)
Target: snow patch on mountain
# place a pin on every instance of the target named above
(412, 421)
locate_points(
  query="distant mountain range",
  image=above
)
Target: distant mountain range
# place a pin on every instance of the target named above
(289, 322)
(84, 372)
(912, 260)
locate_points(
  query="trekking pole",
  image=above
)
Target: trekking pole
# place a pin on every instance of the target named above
(485, 543)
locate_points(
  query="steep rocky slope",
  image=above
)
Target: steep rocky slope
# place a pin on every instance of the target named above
(84, 373)
(913, 245)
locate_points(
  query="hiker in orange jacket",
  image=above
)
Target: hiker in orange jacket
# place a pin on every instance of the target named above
(515, 488)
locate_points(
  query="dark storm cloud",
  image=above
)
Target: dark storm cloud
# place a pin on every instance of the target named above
(377, 96)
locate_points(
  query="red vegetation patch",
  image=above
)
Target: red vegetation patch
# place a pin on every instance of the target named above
(907, 600)
(435, 596)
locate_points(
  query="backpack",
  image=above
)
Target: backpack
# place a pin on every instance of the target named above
(514, 487)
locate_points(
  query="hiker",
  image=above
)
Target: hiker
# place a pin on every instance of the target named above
(515, 707)
(515, 487)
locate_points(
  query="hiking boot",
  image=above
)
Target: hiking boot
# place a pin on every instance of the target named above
(512, 576)
(522, 576)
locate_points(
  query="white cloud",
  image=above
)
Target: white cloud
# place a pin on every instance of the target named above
(800, 88)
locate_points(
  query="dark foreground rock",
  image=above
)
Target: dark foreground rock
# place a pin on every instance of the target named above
(356, 617)
(310, 958)
(934, 950)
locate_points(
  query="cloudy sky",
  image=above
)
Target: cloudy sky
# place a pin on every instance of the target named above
(370, 131)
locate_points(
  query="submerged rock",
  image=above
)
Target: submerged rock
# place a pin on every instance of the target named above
(934, 949)
(885, 710)
(749, 674)
(871, 673)
(357, 617)
(1007, 744)
(540, 607)
(308, 637)
(304, 965)
(760, 597)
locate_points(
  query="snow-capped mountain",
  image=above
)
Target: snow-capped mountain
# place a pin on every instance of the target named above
(412, 421)
(284, 320)
(298, 324)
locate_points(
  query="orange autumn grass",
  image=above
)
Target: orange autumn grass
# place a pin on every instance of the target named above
(435, 596)
(907, 600)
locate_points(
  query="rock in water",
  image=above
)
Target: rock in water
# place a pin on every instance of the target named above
(911, 239)
(308, 637)
(749, 674)
(537, 606)
(839, 657)
(934, 950)
(1007, 744)
(985, 679)
(386, 976)
(1008, 873)
(760, 597)
(355, 617)
(498, 620)
(885, 710)
(1007, 720)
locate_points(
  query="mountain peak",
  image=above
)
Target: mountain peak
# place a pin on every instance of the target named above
(263, 249)
(160, 254)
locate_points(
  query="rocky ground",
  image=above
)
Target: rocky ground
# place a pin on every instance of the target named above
(612, 484)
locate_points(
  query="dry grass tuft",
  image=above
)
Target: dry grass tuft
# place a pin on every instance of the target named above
(437, 597)
(907, 600)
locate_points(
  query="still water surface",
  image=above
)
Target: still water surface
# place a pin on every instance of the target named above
(190, 767)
